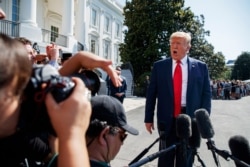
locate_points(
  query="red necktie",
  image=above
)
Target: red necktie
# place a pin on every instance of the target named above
(177, 88)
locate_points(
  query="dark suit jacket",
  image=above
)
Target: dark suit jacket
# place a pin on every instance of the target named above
(121, 89)
(161, 91)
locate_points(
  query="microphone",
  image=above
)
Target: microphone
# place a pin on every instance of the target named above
(206, 130)
(153, 156)
(145, 151)
(183, 126)
(204, 124)
(194, 141)
(240, 149)
(183, 130)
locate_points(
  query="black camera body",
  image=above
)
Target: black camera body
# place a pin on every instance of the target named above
(45, 78)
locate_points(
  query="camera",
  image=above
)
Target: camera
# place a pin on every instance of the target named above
(45, 78)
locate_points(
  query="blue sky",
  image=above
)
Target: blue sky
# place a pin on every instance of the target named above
(228, 22)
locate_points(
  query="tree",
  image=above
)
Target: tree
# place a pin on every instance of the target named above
(216, 66)
(149, 26)
(241, 70)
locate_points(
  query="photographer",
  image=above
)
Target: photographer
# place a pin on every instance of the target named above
(107, 130)
(70, 118)
(28, 45)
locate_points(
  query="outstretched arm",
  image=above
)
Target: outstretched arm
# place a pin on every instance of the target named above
(88, 60)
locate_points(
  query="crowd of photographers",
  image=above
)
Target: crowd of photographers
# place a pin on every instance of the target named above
(23, 140)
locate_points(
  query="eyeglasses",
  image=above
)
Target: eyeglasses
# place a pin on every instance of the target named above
(123, 135)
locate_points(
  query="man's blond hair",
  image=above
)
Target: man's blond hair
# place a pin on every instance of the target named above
(181, 34)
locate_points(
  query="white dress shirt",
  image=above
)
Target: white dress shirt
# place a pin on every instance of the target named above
(184, 67)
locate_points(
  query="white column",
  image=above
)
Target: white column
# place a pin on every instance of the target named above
(28, 12)
(80, 28)
(101, 39)
(113, 57)
(68, 17)
(28, 24)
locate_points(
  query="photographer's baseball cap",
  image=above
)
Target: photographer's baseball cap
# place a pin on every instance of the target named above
(109, 109)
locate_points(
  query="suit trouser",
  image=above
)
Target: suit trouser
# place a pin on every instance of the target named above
(175, 157)
(121, 99)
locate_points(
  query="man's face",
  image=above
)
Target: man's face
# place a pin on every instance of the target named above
(31, 53)
(116, 142)
(178, 47)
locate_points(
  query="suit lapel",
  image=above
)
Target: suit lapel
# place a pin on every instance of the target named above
(191, 70)
(169, 74)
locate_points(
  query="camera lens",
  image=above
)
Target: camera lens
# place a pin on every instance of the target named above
(90, 79)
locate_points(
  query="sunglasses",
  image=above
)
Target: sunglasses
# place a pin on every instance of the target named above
(122, 135)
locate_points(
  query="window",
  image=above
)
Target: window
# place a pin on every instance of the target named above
(15, 10)
(94, 17)
(54, 33)
(94, 44)
(15, 18)
(117, 30)
(107, 24)
(116, 53)
(106, 49)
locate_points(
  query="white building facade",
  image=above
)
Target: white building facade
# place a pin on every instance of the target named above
(93, 25)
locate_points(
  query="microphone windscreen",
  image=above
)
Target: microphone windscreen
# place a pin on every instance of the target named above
(195, 139)
(240, 148)
(183, 126)
(204, 124)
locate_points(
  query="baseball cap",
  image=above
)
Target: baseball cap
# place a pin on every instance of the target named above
(109, 109)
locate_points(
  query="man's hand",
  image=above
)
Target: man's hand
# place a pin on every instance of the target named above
(72, 115)
(53, 51)
(2, 14)
(149, 127)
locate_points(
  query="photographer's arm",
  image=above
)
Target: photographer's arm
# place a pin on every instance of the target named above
(88, 60)
(70, 119)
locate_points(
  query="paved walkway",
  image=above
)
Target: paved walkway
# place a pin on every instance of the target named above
(134, 102)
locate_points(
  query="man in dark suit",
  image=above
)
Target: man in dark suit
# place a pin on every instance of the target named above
(118, 92)
(195, 94)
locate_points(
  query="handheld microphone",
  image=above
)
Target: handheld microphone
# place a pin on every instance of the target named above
(240, 149)
(206, 130)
